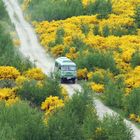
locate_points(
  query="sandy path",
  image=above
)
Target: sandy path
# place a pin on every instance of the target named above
(31, 48)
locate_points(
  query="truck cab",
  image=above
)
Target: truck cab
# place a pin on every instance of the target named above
(66, 68)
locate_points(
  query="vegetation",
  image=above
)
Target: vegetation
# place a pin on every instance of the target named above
(21, 122)
(64, 9)
(78, 120)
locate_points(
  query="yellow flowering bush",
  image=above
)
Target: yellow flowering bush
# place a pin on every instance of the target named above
(20, 80)
(51, 104)
(35, 73)
(132, 79)
(57, 50)
(99, 88)
(64, 92)
(8, 95)
(8, 72)
(134, 117)
(90, 75)
(82, 73)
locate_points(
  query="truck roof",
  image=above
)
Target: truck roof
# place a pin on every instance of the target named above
(65, 61)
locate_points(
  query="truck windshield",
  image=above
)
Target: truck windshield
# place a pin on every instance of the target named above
(68, 68)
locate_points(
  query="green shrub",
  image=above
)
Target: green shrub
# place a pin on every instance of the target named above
(114, 128)
(132, 102)
(106, 31)
(114, 92)
(59, 36)
(137, 16)
(3, 13)
(35, 94)
(103, 8)
(55, 10)
(78, 120)
(135, 60)
(78, 44)
(97, 59)
(85, 29)
(125, 30)
(62, 9)
(21, 122)
(7, 83)
(67, 123)
(96, 30)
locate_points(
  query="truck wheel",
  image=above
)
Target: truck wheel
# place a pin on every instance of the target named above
(62, 80)
(73, 81)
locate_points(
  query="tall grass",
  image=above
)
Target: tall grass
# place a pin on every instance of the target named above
(21, 122)
(62, 9)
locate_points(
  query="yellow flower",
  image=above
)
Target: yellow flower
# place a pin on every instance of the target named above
(35, 73)
(82, 73)
(132, 116)
(99, 88)
(20, 80)
(90, 75)
(7, 72)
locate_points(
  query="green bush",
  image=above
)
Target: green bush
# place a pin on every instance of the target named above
(135, 60)
(35, 94)
(97, 59)
(96, 30)
(55, 10)
(106, 31)
(114, 128)
(67, 123)
(62, 9)
(78, 121)
(132, 102)
(137, 16)
(7, 83)
(21, 122)
(114, 92)
(85, 29)
(103, 8)
(78, 44)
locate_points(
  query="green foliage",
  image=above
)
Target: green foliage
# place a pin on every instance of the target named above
(3, 13)
(106, 31)
(35, 94)
(103, 8)
(97, 59)
(120, 31)
(96, 30)
(114, 91)
(55, 10)
(132, 102)
(59, 36)
(67, 123)
(21, 122)
(137, 16)
(135, 60)
(62, 9)
(78, 44)
(7, 83)
(114, 128)
(78, 121)
(85, 29)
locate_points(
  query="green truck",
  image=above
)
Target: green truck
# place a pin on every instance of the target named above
(66, 69)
